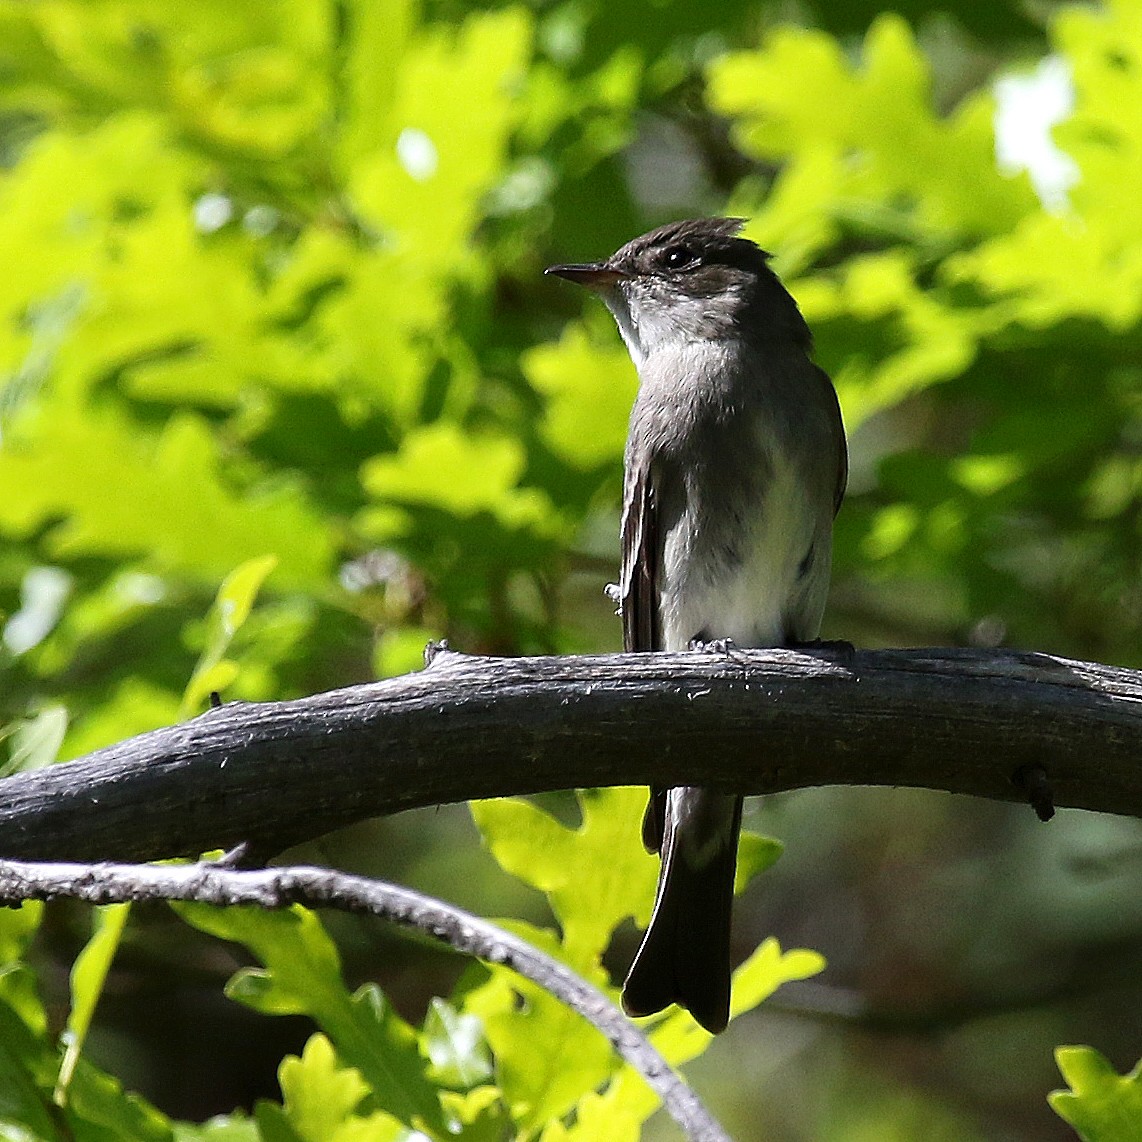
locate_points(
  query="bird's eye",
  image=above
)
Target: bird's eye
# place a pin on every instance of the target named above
(679, 258)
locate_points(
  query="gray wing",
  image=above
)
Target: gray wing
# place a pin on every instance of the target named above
(838, 431)
(638, 599)
(638, 580)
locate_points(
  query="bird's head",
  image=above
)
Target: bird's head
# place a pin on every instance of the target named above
(691, 281)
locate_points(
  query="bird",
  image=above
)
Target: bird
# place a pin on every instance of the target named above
(735, 466)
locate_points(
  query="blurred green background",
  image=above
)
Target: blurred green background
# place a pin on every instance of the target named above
(271, 286)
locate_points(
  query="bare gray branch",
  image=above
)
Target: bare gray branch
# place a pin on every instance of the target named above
(277, 773)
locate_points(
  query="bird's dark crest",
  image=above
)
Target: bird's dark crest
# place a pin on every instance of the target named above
(705, 257)
(717, 238)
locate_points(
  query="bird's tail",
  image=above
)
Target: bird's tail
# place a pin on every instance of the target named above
(684, 957)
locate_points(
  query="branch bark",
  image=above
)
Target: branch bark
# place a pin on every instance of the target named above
(759, 721)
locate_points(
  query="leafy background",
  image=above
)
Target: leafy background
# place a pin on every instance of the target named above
(285, 396)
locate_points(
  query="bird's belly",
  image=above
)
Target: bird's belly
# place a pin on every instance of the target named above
(763, 590)
(747, 605)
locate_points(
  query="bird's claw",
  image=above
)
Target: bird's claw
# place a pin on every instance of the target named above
(615, 593)
(726, 647)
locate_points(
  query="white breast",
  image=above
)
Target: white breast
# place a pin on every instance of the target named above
(763, 598)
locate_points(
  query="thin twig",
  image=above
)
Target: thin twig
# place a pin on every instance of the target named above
(208, 883)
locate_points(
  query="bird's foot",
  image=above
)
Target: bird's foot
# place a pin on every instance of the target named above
(615, 593)
(726, 647)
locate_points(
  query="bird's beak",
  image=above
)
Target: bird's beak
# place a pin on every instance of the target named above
(593, 275)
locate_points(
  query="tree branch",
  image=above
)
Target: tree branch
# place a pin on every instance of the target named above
(276, 773)
(320, 888)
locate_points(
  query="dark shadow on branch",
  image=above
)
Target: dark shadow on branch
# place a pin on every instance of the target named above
(274, 774)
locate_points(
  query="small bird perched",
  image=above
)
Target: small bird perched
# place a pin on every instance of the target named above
(735, 466)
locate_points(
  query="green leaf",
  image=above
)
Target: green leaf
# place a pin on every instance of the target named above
(597, 875)
(456, 1046)
(454, 94)
(444, 467)
(24, 1059)
(441, 146)
(376, 51)
(546, 1056)
(388, 1056)
(921, 341)
(1101, 1105)
(303, 976)
(589, 390)
(767, 969)
(261, 991)
(273, 1123)
(99, 1099)
(230, 611)
(680, 1039)
(755, 854)
(36, 742)
(598, 1116)
(122, 497)
(236, 1127)
(97, 1107)
(322, 1097)
(18, 986)
(133, 707)
(872, 126)
(478, 1115)
(88, 975)
(594, 876)
(1085, 261)
(18, 927)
